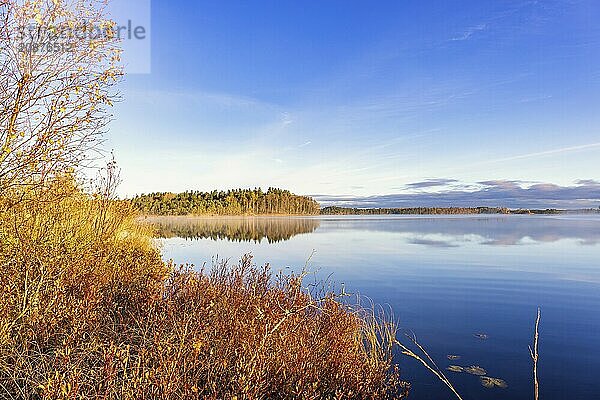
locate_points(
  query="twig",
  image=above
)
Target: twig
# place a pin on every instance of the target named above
(535, 355)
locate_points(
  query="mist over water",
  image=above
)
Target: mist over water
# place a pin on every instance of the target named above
(446, 278)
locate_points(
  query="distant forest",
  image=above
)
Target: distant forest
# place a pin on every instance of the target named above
(283, 202)
(232, 202)
(430, 211)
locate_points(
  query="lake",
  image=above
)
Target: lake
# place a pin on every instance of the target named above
(446, 278)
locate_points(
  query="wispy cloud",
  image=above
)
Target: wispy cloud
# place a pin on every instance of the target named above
(534, 99)
(517, 18)
(428, 183)
(549, 152)
(286, 118)
(220, 99)
(469, 32)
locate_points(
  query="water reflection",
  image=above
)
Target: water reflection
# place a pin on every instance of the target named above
(436, 232)
(235, 229)
(448, 232)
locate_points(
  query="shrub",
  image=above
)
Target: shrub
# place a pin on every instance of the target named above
(89, 310)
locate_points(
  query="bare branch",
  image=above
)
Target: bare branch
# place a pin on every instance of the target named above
(59, 65)
(535, 355)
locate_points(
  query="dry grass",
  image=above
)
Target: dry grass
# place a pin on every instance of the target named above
(89, 310)
(426, 361)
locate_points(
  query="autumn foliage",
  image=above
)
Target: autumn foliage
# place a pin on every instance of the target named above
(89, 310)
(59, 63)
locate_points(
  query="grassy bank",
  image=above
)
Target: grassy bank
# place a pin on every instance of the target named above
(89, 310)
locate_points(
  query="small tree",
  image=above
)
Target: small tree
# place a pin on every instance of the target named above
(58, 66)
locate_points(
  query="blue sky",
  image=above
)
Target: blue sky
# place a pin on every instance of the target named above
(363, 99)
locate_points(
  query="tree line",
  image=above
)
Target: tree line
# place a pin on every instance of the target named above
(335, 210)
(231, 202)
(282, 202)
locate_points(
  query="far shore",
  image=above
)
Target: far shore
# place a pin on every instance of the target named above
(380, 212)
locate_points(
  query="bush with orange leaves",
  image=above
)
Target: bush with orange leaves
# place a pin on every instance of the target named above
(89, 310)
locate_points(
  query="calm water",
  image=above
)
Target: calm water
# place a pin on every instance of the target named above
(446, 279)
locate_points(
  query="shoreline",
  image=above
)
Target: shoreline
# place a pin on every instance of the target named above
(370, 213)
